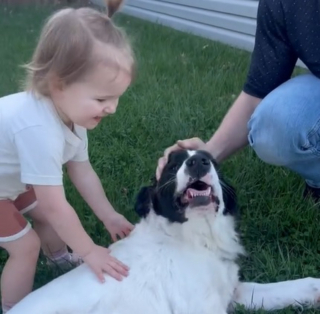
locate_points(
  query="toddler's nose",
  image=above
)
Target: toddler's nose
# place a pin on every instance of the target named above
(110, 109)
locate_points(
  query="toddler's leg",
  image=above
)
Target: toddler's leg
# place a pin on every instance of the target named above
(52, 246)
(18, 273)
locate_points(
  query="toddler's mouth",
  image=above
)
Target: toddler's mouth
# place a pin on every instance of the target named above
(98, 119)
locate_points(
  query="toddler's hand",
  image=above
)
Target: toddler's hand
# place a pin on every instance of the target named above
(99, 260)
(117, 225)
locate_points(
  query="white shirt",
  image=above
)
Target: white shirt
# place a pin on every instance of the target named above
(35, 143)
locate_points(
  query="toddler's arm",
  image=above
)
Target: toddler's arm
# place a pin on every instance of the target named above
(89, 186)
(64, 220)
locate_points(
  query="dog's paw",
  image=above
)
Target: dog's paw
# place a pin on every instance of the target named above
(309, 292)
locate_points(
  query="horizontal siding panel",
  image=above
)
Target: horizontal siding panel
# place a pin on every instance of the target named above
(246, 8)
(221, 20)
(241, 41)
(232, 22)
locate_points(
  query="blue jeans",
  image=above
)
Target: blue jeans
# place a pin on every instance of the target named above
(284, 130)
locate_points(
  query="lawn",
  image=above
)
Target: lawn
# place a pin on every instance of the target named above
(184, 87)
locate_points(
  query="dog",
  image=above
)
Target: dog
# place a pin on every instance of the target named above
(182, 255)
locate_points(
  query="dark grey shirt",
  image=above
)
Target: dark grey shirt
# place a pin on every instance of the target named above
(286, 30)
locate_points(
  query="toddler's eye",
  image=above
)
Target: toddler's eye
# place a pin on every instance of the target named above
(100, 100)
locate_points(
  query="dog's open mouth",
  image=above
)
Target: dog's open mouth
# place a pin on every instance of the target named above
(198, 193)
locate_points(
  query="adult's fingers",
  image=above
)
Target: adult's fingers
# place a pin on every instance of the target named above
(129, 226)
(191, 143)
(114, 237)
(171, 149)
(164, 159)
(161, 163)
(118, 236)
(126, 232)
(121, 235)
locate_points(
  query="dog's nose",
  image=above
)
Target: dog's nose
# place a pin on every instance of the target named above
(198, 166)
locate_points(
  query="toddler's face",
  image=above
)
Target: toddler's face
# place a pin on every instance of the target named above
(86, 102)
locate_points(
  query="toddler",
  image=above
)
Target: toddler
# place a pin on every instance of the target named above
(81, 66)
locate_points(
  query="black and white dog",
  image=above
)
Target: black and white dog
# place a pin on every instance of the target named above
(182, 256)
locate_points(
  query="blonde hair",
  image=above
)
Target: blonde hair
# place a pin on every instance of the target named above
(66, 44)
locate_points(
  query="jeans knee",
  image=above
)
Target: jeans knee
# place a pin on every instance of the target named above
(271, 136)
(285, 126)
(263, 145)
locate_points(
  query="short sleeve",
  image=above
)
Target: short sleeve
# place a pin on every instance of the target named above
(40, 156)
(273, 58)
(82, 152)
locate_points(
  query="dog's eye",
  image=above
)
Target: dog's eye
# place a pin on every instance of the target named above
(174, 167)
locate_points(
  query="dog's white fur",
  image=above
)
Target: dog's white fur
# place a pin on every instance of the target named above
(175, 268)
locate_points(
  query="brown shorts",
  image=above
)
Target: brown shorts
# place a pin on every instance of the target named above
(13, 225)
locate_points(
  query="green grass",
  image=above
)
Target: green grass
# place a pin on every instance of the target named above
(184, 87)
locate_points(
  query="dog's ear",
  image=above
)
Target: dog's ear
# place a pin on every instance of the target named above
(144, 200)
(229, 198)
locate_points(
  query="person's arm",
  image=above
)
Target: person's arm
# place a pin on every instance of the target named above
(232, 134)
(272, 63)
(229, 138)
(90, 188)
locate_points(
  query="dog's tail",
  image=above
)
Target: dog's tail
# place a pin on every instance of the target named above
(113, 6)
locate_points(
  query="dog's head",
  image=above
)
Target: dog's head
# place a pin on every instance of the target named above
(190, 186)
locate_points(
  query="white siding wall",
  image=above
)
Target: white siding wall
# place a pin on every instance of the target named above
(232, 22)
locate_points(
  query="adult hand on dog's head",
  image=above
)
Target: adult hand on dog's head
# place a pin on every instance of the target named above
(193, 143)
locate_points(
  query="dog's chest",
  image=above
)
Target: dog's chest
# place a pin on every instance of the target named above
(180, 280)
(196, 279)
(166, 277)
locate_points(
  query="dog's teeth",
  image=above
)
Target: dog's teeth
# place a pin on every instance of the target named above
(194, 193)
